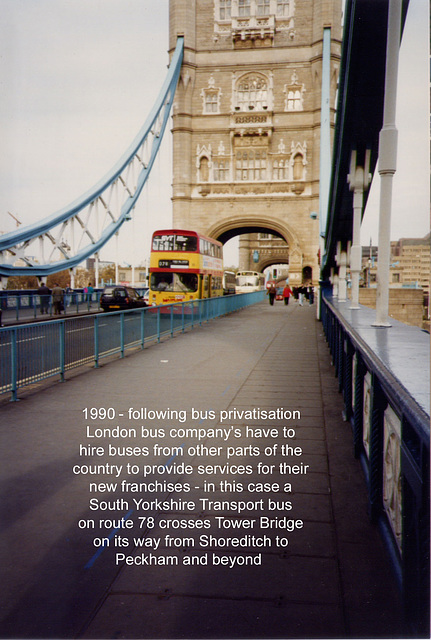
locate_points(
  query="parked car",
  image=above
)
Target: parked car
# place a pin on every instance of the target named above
(116, 297)
(146, 295)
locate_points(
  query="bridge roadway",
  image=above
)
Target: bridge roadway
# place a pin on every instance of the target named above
(331, 579)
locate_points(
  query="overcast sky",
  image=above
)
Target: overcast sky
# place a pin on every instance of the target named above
(78, 79)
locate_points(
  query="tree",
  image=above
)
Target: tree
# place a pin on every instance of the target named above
(61, 278)
(107, 274)
(22, 282)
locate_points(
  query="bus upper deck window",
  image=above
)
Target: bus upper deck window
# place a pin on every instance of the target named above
(163, 243)
(185, 243)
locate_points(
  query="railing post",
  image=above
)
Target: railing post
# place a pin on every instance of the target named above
(96, 342)
(62, 336)
(14, 363)
(158, 324)
(142, 328)
(122, 334)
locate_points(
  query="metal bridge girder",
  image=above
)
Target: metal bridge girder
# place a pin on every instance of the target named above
(69, 236)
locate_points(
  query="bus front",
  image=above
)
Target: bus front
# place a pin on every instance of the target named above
(174, 267)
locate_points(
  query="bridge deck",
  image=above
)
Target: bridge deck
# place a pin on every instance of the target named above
(331, 580)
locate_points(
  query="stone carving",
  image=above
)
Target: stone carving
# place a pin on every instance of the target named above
(392, 492)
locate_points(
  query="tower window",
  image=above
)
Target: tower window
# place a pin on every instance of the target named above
(221, 170)
(243, 8)
(294, 100)
(211, 102)
(251, 165)
(283, 7)
(262, 7)
(280, 169)
(225, 9)
(252, 93)
(294, 93)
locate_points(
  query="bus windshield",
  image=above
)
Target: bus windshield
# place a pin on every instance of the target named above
(251, 281)
(184, 282)
(175, 242)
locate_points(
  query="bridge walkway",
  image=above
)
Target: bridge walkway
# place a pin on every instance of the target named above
(331, 579)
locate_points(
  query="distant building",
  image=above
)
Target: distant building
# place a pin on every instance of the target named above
(413, 258)
(90, 264)
(127, 277)
(410, 268)
(410, 263)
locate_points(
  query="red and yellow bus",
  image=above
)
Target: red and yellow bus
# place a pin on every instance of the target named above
(184, 265)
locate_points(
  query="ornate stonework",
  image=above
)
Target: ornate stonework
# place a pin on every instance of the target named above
(392, 492)
(246, 123)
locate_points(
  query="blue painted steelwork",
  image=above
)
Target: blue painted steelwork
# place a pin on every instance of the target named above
(33, 352)
(359, 113)
(51, 229)
(377, 371)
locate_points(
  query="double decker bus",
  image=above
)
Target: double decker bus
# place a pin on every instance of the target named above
(184, 265)
(247, 281)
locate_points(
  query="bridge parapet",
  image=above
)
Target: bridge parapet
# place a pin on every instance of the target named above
(384, 378)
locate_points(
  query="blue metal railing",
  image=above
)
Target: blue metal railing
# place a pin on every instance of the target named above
(391, 437)
(23, 306)
(33, 352)
(27, 305)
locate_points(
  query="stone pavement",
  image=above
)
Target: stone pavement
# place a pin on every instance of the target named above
(328, 579)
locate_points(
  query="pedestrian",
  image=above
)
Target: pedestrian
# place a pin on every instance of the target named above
(57, 299)
(287, 292)
(301, 296)
(311, 294)
(272, 291)
(68, 296)
(90, 291)
(44, 293)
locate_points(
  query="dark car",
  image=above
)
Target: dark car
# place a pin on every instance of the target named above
(116, 297)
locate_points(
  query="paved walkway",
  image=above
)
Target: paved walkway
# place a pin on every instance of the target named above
(328, 579)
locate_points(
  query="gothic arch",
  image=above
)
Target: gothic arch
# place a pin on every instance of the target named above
(226, 229)
(263, 264)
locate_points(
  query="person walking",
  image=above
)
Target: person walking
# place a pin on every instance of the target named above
(68, 296)
(57, 299)
(301, 296)
(272, 292)
(90, 291)
(287, 292)
(44, 293)
(311, 294)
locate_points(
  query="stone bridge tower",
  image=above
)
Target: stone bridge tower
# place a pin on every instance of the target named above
(247, 120)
